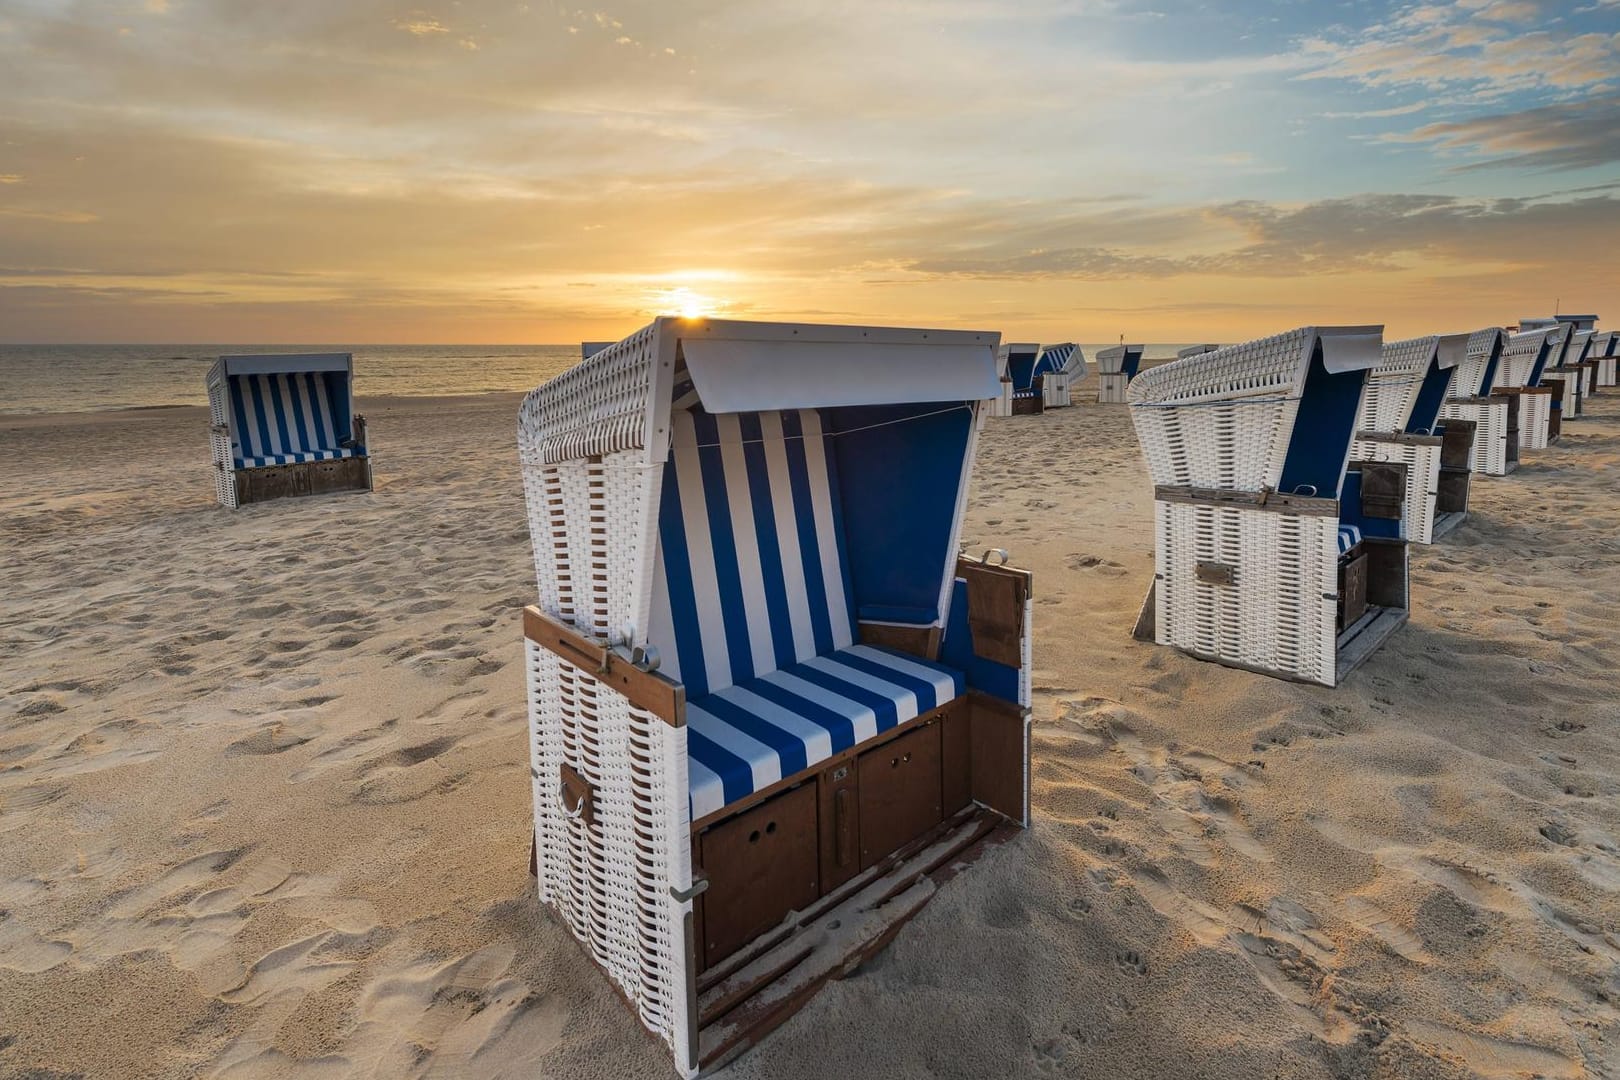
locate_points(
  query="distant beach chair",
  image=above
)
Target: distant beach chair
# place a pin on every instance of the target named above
(1117, 365)
(1565, 369)
(1535, 416)
(1605, 350)
(284, 425)
(770, 707)
(1469, 399)
(1399, 421)
(1270, 553)
(1059, 368)
(1022, 391)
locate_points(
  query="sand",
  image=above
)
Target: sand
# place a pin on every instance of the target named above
(264, 804)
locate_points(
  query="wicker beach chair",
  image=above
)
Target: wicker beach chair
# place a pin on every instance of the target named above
(1022, 389)
(769, 704)
(1117, 365)
(1399, 421)
(1195, 350)
(284, 425)
(1270, 554)
(1519, 376)
(1059, 368)
(1469, 399)
(1606, 351)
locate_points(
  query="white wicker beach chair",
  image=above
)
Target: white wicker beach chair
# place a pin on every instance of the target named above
(1563, 370)
(1021, 390)
(768, 703)
(1399, 422)
(285, 425)
(1524, 361)
(1269, 554)
(1060, 367)
(1468, 398)
(1606, 351)
(1117, 365)
(1195, 350)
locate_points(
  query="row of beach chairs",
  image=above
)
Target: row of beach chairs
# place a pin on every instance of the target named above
(773, 706)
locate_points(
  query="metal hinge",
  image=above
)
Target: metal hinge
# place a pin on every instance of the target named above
(700, 885)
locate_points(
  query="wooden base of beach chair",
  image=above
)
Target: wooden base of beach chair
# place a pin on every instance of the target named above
(787, 847)
(303, 478)
(763, 985)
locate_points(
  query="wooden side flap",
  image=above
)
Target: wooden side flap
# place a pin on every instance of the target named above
(1383, 489)
(996, 598)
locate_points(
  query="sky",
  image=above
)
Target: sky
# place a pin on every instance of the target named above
(471, 171)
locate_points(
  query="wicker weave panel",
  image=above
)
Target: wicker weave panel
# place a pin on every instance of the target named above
(1535, 421)
(1468, 377)
(1519, 358)
(219, 442)
(1278, 614)
(1490, 416)
(610, 880)
(597, 407)
(1422, 463)
(1606, 371)
(1392, 386)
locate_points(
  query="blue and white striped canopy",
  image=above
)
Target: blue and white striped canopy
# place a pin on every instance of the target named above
(285, 418)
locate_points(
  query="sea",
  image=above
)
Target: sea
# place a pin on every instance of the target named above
(94, 378)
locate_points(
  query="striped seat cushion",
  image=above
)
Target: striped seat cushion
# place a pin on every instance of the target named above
(1349, 537)
(284, 418)
(293, 459)
(752, 734)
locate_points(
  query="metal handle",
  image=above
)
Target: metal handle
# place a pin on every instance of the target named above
(984, 560)
(577, 812)
(1300, 490)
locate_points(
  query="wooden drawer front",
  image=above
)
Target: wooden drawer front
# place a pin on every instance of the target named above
(899, 792)
(761, 865)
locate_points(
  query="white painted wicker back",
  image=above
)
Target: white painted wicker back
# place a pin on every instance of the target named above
(1579, 343)
(591, 445)
(1222, 419)
(219, 439)
(1519, 357)
(1392, 386)
(1468, 376)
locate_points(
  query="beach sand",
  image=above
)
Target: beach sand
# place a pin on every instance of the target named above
(264, 806)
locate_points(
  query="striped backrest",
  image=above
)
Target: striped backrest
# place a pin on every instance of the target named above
(752, 573)
(283, 414)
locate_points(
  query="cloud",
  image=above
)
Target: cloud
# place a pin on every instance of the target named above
(1574, 135)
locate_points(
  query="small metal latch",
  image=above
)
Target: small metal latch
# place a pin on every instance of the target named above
(984, 560)
(700, 885)
(1265, 495)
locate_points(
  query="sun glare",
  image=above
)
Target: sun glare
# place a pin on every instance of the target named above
(689, 304)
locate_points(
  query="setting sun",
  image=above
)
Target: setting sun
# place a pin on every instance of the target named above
(689, 304)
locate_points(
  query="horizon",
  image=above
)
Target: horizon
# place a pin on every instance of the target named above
(1066, 170)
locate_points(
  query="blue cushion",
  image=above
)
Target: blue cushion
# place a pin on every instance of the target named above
(282, 418)
(291, 459)
(1349, 537)
(754, 733)
(752, 573)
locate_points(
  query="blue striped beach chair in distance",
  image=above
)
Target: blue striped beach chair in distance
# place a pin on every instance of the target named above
(1059, 368)
(1468, 399)
(284, 424)
(764, 689)
(1117, 365)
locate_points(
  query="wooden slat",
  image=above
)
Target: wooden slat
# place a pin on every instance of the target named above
(996, 597)
(754, 1000)
(999, 764)
(645, 689)
(1249, 500)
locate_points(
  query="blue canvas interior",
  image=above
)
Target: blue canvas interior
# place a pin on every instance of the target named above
(775, 531)
(1426, 409)
(285, 418)
(1132, 364)
(1320, 445)
(1021, 369)
(901, 472)
(1489, 378)
(1540, 365)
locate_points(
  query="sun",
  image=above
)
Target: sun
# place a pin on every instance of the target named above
(689, 304)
